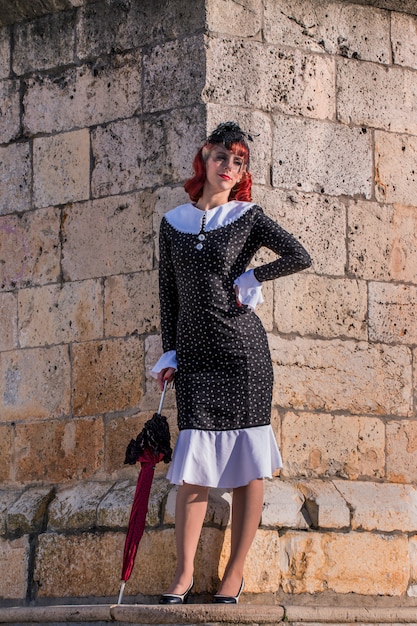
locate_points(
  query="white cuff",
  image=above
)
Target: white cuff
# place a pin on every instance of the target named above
(168, 359)
(249, 289)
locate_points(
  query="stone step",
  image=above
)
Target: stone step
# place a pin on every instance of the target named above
(207, 614)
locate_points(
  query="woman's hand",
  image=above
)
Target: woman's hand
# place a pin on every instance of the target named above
(168, 374)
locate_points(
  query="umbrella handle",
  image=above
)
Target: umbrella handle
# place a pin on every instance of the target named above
(161, 403)
(122, 588)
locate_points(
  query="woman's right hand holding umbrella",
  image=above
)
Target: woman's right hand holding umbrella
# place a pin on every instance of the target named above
(165, 374)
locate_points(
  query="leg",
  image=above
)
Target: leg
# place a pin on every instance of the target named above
(246, 515)
(190, 511)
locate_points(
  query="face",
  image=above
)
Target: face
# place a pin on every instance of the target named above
(224, 168)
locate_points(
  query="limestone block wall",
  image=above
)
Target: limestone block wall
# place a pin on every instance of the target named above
(102, 107)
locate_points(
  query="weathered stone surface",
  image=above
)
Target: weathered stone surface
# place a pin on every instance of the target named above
(136, 154)
(345, 563)
(4, 53)
(107, 375)
(36, 46)
(10, 110)
(382, 241)
(324, 504)
(74, 313)
(269, 78)
(29, 249)
(318, 222)
(233, 17)
(7, 498)
(14, 178)
(392, 313)
(28, 513)
(164, 67)
(395, 168)
(114, 508)
(104, 27)
(373, 96)
(126, 310)
(342, 375)
(316, 305)
(282, 505)
(412, 545)
(75, 508)
(58, 451)
(84, 96)
(402, 451)
(312, 156)
(61, 168)
(34, 383)
(8, 316)
(333, 27)
(403, 37)
(14, 562)
(111, 236)
(383, 507)
(6, 455)
(333, 445)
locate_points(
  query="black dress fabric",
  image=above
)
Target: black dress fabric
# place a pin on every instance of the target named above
(224, 377)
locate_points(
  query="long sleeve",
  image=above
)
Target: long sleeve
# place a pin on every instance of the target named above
(293, 257)
(168, 295)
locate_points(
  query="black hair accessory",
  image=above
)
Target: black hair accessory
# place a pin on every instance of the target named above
(228, 133)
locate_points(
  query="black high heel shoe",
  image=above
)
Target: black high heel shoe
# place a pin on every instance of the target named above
(176, 598)
(219, 599)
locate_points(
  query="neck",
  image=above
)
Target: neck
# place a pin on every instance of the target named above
(209, 201)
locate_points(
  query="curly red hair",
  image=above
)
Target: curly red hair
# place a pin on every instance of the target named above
(194, 185)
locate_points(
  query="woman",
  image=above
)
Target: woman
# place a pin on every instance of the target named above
(217, 349)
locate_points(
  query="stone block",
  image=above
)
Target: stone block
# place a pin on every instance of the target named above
(83, 96)
(34, 383)
(8, 317)
(362, 563)
(15, 178)
(403, 38)
(392, 313)
(269, 78)
(373, 96)
(257, 124)
(114, 508)
(402, 451)
(382, 241)
(109, 236)
(126, 309)
(282, 505)
(44, 42)
(218, 508)
(103, 28)
(395, 168)
(60, 313)
(231, 17)
(61, 168)
(29, 246)
(380, 506)
(7, 498)
(4, 53)
(318, 445)
(10, 110)
(312, 156)
(412, 544)
(163, 67)
(75, 507)
(14, 566)
(262, 571)
(317, 305)
(107, 375)
(135, 153)
(6, 454)
(58, 451)
(333, 27)
(334, 375)
(28, 513)
(324, 504)
(317, 221)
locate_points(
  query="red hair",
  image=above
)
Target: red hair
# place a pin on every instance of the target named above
(194, 185)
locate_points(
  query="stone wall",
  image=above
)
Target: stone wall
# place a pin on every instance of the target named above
(102, 107)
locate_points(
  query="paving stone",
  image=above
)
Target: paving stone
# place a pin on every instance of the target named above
(14, 565)
(395, 168)
(27, 514)
(403, 37)
(15, 178)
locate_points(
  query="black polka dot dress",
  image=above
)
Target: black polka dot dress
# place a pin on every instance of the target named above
(224, 374)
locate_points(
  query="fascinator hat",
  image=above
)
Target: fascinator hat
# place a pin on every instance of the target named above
(229, 134)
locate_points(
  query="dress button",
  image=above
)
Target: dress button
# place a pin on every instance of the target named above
(201, 237)
(199, 246)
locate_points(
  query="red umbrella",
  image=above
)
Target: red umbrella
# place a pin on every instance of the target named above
(151, 446)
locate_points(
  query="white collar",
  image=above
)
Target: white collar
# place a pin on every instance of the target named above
(187, 218)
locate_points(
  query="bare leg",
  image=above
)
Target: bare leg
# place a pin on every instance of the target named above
(246, 515)
(190, 510)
